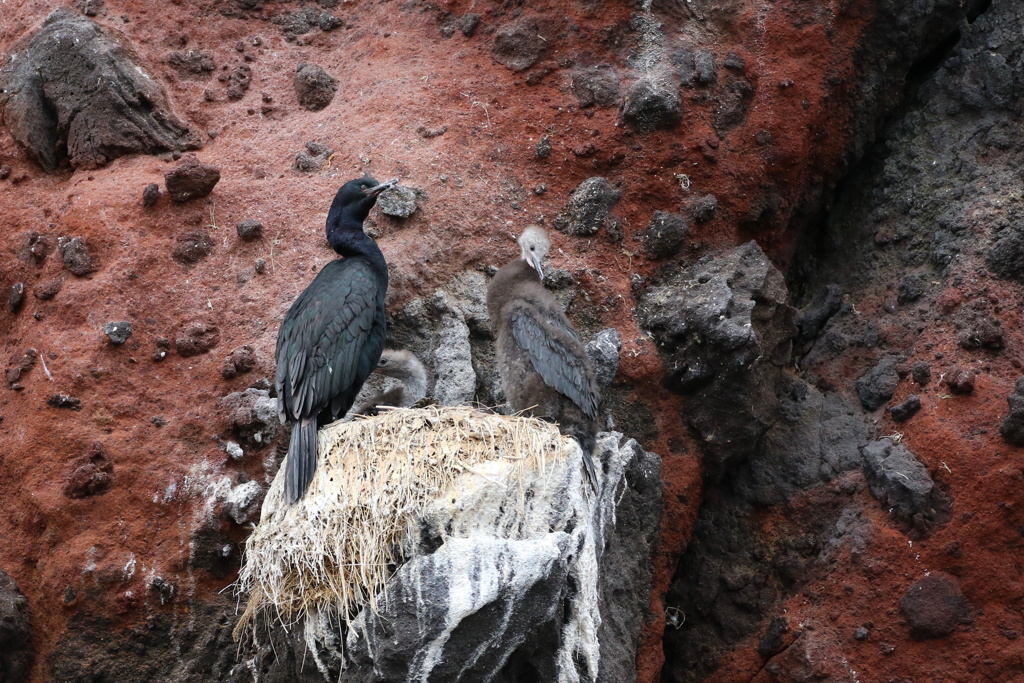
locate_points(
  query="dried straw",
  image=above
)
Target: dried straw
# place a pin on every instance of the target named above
(336, 548)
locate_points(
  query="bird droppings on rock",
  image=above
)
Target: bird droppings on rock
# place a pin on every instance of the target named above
(1012, 427)
(314, 87)
(649, 106)
(249, 230)
(519, 44)
(191, 179)
(241, 361)
(163, 345)
(313, 158)
(911, 288)
(35, 247)
(588, 206)
(75, 91)
(934, 606)
(91, 474)
(47, 289)
(150, 195)
(242, 504)
(665, 235)
(192, 247)
(192, 63)
(398, 201)
(234, 450)
(59, 400)
(78, 259)
(165, 590)
(196, 338)
(252, 415)
(16, 297)
(596, 85)
(907, 409)
(877, 385)
(960, 380)
(118, 332)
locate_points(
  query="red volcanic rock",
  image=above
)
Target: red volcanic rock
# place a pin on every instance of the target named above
(196, 338)
(92, 474)
(191, 179)
(960, 380)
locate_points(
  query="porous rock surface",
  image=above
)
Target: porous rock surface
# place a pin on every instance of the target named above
(871, 148)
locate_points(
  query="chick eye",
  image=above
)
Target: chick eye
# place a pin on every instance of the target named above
(383, 361)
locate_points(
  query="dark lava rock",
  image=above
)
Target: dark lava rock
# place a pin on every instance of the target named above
(912, 288)
(695, 66)
(1006, 257)
(5, 171)
(773, 641)
(15, 632)
(665, 235)
(191, 179)
(518, 44)
(960, 380)
(906, 410)
(703, 208)
(314, 87)
(588, 206)
(65, 401)
(118, 332)
(194, 63)
(252, 415)
(398, 201)
(35, 248)
(238, 82)
(735, 62)
(922, 373)
(544, 147)
(192, 247)
(20, 365)
(249, 230)
(466, 24)
(723, 328)
(196, 338)
(165, 590)
(241, 361)
(47, 289)
(1012, 427)
(302, 21)
(984, 333)
(16, 297)
(313, 158)
(649, 106)
(75, 90)
(934, 606)
(903, 486)
(76, 255)
(811, 320)
(733, 101)
(91, 474)
(596, 85)
(150, 195)
(877, 385)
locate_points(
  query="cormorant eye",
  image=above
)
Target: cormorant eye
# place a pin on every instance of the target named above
(383, 361)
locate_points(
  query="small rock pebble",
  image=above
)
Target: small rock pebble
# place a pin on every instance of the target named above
(118, 332)
(249, 230)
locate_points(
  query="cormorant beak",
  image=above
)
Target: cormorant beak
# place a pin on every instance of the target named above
(377, 189)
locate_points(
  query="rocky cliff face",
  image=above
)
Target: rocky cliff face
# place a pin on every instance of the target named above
(802, 219)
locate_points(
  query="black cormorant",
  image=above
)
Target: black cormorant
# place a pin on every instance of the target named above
(543, 366)
(332, 336)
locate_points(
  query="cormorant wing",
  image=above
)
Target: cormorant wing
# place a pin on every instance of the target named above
(550, 349)
(329, 342)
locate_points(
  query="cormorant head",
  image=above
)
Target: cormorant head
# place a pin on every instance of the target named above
(354, 200)
(534, 244)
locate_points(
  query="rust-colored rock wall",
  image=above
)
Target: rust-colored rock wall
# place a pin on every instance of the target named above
(122, 469)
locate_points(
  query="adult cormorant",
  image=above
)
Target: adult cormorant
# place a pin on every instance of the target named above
(332, 336)
(543, 366)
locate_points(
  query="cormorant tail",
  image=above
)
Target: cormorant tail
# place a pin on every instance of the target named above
(301, 461)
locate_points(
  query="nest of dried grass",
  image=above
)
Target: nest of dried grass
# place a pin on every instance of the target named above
(336, 548)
